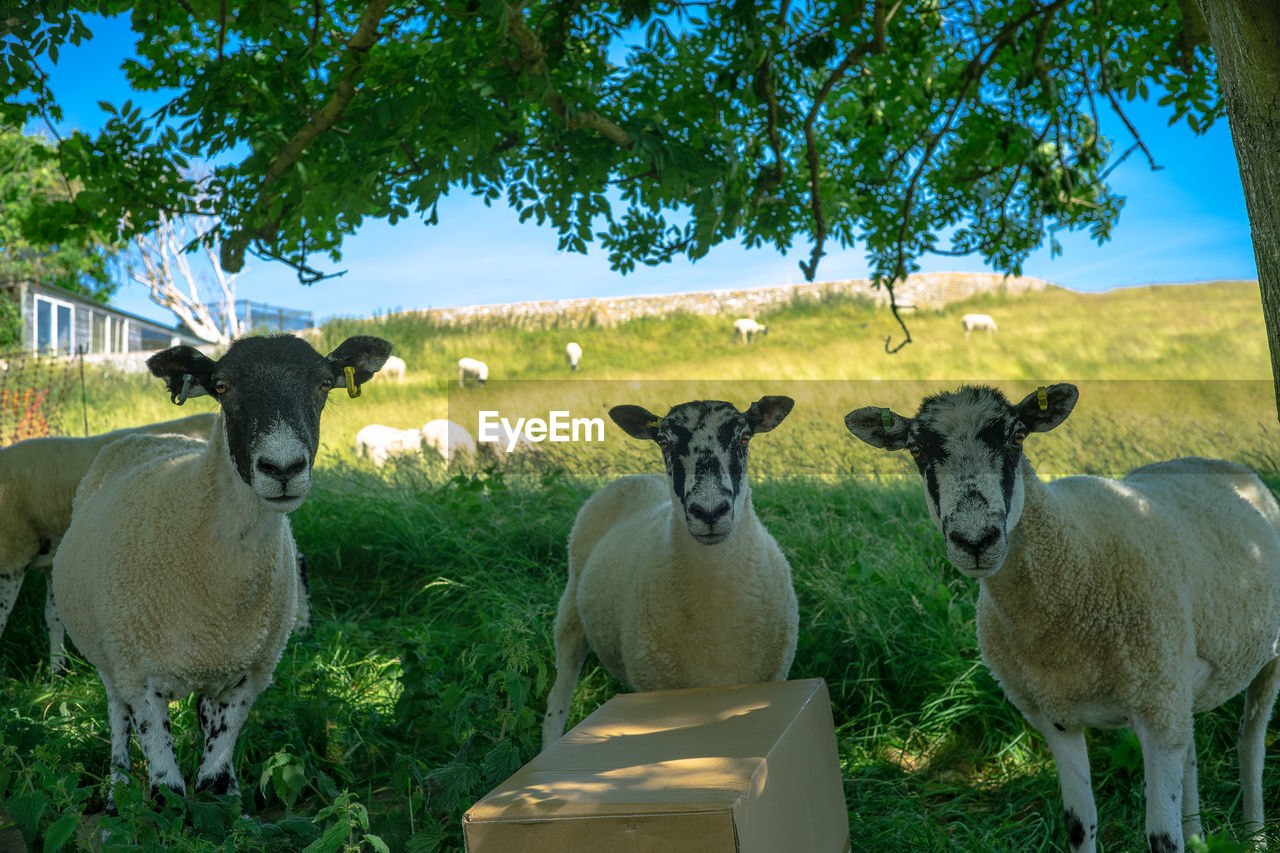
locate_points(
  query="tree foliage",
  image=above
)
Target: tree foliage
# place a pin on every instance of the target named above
(652, 127)
(75, 261)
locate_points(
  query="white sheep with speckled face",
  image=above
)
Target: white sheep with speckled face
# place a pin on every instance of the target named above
(473, 370)
(451, 440)
(378, 443)
(1132, 602)
(573, 354)
(178, 572)
(38, 479)
(673, 580)
(978, 323)
(747, 329)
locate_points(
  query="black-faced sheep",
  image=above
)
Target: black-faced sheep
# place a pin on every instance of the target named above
(178, 572)
(1104, 602)
(747, 328)
(673, 580)
(38, 479)
(474, 369)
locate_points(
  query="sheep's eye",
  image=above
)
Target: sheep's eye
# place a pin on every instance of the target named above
(664, 444)
(745, 440)
(220, 386)
(326, 384)
(1017, 438)
(916, 453)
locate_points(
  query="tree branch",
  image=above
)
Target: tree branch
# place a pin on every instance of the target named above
(532, 52)
(357, 47)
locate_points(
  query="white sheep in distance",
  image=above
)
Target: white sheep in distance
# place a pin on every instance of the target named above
(472, 368)
(747, 328)
(978, 323)
(378, 443)
(178, 572)
(38, 479)
(447, 438)
(673, 580)
(1132, 602)
(394, 368)
(573, 354)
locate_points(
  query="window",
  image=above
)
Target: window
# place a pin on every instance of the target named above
(107, 333)
(53, 325)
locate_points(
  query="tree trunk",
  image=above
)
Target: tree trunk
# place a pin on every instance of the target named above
(1245, 35)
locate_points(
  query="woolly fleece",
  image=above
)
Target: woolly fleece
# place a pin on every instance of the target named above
(1148, 595)
(662, 610)
(211, 597)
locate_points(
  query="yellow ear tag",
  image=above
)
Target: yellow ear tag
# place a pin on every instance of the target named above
(654, 424)
(1042, 397)
(886, 418)
(353, 387)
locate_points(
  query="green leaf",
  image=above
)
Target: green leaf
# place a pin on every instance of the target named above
(376, 843)
(26, 811)
(60, 832)
(331, 841)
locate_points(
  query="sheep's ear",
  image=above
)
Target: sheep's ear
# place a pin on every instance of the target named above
(879, 427)
(186, 371)
(1047, 406)
(767, 412)
(636, 421)
(365, 354)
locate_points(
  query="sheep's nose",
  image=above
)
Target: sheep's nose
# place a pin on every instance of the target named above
(282, 472)
(984, 540)
(709, 516)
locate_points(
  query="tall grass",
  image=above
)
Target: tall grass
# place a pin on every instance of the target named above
(423, 679)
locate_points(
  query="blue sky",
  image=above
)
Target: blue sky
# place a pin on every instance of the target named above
(1184, 223)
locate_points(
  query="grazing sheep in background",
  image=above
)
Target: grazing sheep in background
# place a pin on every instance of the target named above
(1106, 602)
(471, 368)
(448, 439)
(747, 329)
(394, 368)
(379, 443)
(38, 479)
(178, 573)
(573, 354)
(673, 580)
(508, 442)
(978, 322)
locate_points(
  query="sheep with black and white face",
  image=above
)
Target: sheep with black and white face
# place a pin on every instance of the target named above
(673, 579)
(178, 572)
(1132, 602)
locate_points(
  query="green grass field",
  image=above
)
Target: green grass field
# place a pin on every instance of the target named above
(422, 682)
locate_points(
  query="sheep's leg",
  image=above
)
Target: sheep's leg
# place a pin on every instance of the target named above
(9, 586)
(1190, 795)
(571, 652)
(302, 613)
(120, 719)
(1258, 702)
(1163, 758)
(1072, 758)
(151, 725)
(57, 633)
(221, 719)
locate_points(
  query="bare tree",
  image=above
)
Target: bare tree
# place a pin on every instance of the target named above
(161, 260)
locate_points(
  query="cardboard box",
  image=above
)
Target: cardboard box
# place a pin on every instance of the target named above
(747, 769)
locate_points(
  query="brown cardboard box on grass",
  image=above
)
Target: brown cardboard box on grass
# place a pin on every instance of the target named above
(746, 769)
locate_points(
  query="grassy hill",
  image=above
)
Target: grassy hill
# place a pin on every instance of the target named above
(423, 681)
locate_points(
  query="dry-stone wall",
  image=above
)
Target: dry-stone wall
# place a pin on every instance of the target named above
(921, 291)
